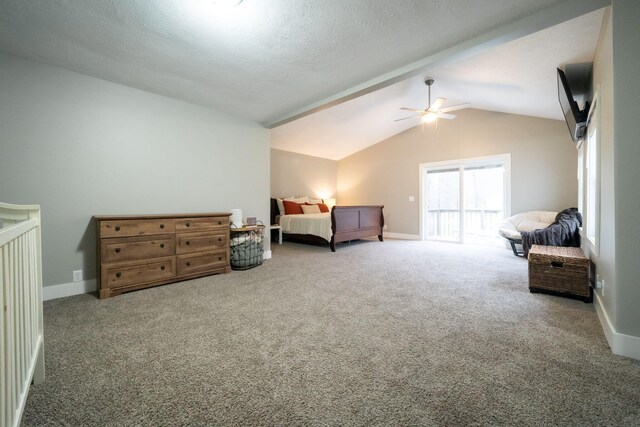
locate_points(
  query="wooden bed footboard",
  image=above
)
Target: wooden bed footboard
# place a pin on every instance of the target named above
(355, 222)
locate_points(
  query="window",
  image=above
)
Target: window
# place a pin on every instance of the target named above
(589, 178)
(581, 178)
(465, 200)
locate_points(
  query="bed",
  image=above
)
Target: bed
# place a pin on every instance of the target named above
(342, 224)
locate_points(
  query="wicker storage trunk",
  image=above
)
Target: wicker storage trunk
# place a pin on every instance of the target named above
(559, 270)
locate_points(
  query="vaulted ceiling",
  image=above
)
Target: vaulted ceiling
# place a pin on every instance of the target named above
(517, 77)
(277, 60)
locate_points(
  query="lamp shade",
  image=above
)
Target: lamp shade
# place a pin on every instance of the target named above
(329, 202)
(236, 218)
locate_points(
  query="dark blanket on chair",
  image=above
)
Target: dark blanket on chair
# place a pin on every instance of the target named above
(564, 231)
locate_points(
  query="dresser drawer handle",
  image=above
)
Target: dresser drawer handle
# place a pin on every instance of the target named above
(117, 250)
(219, 222)
(162, 267)
(219, 258)
(188, 264)
(118, 274)
(188, 224)
(187, 243)
(162, 245)
(117, 228)
(161, 225)
(219, 239)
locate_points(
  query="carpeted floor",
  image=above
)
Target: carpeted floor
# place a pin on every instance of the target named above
(392, 333)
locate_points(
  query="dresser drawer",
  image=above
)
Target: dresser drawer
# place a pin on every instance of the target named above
(201, 263)
(200, 242)
(114, 276)
(132, 248)
(142, 227)
(202, 224)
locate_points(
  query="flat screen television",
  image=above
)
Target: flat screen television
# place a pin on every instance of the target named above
(576, 119)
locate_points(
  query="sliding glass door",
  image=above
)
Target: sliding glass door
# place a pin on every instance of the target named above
(465, 201)
(443, 204)
(483, 203)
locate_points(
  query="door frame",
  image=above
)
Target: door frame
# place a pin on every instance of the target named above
(505, 159)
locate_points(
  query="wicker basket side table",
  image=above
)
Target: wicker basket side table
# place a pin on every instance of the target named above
(559, 271)
(246, 246)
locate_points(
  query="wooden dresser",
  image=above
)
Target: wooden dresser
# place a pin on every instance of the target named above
(139, 251)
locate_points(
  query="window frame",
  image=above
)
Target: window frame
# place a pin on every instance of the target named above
(589, 174)
(460, 164)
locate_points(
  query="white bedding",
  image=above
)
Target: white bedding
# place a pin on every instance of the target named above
(315, 224)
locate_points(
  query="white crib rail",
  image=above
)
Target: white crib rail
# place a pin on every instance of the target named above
(21, 339)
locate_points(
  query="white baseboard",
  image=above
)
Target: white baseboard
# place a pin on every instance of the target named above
(76, 288)
(621, 344)
(401, 236)
(69, 289)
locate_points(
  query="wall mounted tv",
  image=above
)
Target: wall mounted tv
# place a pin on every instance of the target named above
(576, 119)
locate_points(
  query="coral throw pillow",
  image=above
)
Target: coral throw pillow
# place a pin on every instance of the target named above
(291, 208)
(323, 207)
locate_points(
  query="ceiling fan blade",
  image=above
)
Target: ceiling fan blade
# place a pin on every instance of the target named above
(442, 115)
(454, 107)
(436, 104)
(412, 109)
(405, 118)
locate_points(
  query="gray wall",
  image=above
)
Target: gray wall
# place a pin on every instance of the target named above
(604, 259)
(81, 146)
(295, 174)
(616, 66)
(543, 163)
(626, 56)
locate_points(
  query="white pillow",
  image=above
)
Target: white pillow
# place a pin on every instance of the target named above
(280, 206)
(310, 209)
(303, 199)
(314, 201)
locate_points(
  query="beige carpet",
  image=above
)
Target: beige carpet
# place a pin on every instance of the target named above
(391, 333)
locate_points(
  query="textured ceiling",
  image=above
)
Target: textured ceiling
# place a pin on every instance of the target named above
(271, 60)
(259, 60)
(518, 77)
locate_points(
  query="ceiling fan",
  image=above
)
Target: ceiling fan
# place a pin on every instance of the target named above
(433, 111)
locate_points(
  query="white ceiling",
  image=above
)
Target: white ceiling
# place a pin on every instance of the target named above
(270, 60)
(518, 77)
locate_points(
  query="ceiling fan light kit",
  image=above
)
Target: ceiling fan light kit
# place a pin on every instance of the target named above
(430, 117)
(433, 111)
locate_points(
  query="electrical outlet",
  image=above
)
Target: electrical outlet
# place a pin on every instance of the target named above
(411, 198)
(77, 275)
(384, 226)
(600, 284)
